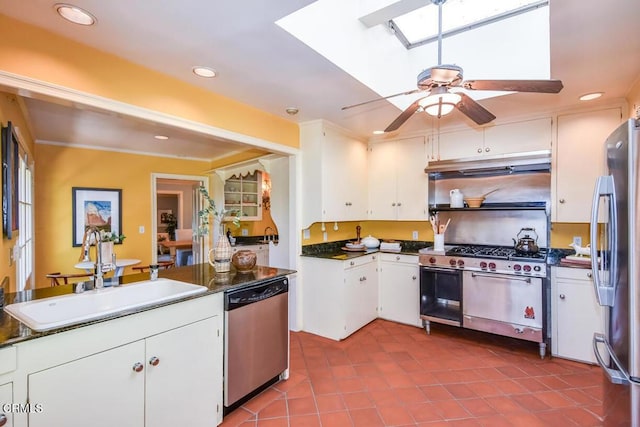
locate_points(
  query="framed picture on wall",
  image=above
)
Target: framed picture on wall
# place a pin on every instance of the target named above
(96, 207)
(10, 161)
(166, 216)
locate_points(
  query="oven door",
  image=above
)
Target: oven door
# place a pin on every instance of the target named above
(503, 304)
(441, 295)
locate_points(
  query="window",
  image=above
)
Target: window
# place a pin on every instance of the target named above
(25, 248)
(420, 26)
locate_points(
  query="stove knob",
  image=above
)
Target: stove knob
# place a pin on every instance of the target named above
(483, 265)
(452, 262)
(432, 260)
(460, 263)
(527, 268)
(492, 266)
(536, 268)
(517, 267)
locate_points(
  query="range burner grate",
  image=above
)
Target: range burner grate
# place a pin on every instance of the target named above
(495, 252)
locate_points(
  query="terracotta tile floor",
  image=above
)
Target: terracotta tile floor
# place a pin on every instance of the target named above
(389, 374)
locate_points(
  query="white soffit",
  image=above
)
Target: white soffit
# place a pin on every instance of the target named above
(514, 48)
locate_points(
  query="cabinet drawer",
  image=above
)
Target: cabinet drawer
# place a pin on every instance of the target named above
(356, 262)
(572, 273)
(407, 259)
(7, 359)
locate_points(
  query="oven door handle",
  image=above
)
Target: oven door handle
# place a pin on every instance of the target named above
(497, 276)
(440, 270)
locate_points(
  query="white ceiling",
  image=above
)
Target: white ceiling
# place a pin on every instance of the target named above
(594, 47)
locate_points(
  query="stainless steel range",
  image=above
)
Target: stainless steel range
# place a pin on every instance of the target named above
(487, 288)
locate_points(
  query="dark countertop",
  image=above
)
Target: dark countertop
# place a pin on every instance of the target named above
(555, 256)
(333, 250)
(13, 331)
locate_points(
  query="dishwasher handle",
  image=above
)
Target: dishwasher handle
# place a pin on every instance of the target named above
(237, 298)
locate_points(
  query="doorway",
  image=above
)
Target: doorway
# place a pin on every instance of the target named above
(175, 206)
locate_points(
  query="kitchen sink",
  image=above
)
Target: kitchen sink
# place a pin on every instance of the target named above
(56, 312)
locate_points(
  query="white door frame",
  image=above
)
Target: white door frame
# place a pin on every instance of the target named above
(204, 180)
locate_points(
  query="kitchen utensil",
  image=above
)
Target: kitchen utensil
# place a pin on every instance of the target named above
(441, 228)
(456, 198)
(526, 244)
(492, 191)
(474, 202)
(370, 242)
(447, 225)
(358, 228)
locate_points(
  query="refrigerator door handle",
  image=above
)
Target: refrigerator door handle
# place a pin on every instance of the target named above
(616, 376)
(604, 291)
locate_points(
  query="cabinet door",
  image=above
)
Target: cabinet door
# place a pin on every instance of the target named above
(184, 388)
(579, 160)
(530, 135)
(400, 293)
(6, 397)
(382, 180)
(361, 297)
(412, 182)
(578, 316)
(77, 394)
(459, 144)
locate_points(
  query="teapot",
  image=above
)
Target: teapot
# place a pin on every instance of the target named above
(526, 245)
(456, 198)
(370, 242)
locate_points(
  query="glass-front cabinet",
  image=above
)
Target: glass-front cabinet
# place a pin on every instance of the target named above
(243, 196)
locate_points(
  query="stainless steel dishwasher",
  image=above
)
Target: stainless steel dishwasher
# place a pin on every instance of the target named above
(256, 337)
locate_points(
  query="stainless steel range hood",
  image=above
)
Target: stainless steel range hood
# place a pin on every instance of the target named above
(503, 164)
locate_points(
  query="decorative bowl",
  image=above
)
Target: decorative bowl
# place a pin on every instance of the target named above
(370, 242)
(244, 260)
(474, 202)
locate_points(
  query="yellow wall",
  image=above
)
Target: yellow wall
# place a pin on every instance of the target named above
(58, 169)
(10, 111)
(38, 54)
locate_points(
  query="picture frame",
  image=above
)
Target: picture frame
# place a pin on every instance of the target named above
(165, 215)
(10, 170)
(99, 207)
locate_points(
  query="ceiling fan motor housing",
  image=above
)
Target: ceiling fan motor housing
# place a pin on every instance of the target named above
(441, 75)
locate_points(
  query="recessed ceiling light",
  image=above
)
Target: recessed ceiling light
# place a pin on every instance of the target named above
(590, 96)
(162, 137)
(378, 132)
(292, 111)
(204, 72)
(75, 14)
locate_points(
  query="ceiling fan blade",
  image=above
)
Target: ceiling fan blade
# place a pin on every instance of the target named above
(473, 110)
(403, 117)
(381, 98)
(540, 86)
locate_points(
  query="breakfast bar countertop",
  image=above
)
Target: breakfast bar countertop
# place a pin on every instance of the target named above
(13, 331)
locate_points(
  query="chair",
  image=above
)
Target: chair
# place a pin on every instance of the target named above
(184, 257)
(56, 277)
(184, 234)
(161, 265)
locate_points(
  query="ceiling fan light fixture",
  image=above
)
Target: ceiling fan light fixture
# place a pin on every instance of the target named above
(75, 14)
(440, 102)
(205, 72)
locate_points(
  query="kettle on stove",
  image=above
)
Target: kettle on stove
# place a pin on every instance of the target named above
(526, 245)
(456, 198)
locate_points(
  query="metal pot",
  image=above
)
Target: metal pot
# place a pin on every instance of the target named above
(526, 244)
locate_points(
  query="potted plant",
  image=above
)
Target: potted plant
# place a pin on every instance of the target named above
(171, 224)
(222, 250)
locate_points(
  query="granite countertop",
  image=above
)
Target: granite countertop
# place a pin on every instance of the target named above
(13, 331)
(333, 250)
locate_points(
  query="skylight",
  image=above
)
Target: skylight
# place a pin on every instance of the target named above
(420, 26)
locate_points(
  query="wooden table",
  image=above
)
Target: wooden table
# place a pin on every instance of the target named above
(121, 263)
(172, 245)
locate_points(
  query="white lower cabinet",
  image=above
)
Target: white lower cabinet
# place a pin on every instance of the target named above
(399, 298)
(155, 368)
(575, 314)
(339, 297)
(6, 397)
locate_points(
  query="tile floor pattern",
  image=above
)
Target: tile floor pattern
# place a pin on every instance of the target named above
(388, 374)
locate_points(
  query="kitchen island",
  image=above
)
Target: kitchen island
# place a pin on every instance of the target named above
(159, 364)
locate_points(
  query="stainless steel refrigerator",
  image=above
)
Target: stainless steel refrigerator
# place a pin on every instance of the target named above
(616, 244)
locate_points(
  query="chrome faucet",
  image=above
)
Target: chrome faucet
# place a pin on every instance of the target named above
(98, 275)
(267, 236)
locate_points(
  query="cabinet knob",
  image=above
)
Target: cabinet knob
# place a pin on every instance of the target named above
(589, 275)
(487, 149)
(352, 263)
(397, 257)
(3, 419)
(414, 278)
(562, 296)
(393, 204)
(399, 204)
(138, 367)
(561, 200)
(154, 361)
(479, 150)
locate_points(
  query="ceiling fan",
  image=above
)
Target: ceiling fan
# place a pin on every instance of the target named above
(440, 100)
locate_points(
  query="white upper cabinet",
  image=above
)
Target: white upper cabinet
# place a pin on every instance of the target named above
(397, 182)
(578, 161)
(516, 137)
(334, 170)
